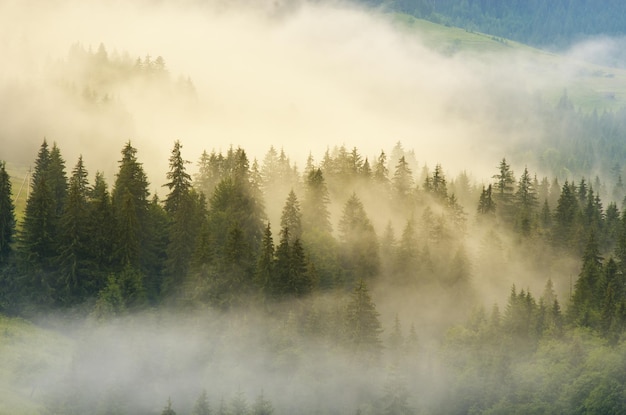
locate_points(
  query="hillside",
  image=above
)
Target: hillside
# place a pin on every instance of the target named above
(31, 359)
(589, 86)
(554, 24)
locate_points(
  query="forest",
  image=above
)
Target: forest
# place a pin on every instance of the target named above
(103, 254)
(228, 210)
(556, 24)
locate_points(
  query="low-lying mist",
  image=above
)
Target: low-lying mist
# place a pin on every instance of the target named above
(299, 75)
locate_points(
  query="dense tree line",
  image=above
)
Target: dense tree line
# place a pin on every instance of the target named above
(83, 247)
(554, 24)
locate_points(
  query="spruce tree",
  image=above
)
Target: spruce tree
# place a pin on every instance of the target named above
(179, 181)
(7, 216)
(185, 211)
(262, 406)
(99, 229)
(402, 181)
(584, 309)
(202, 406)
(130, 209)
(363, 328)
(504, 188)
(291, 217)
(265, 264)
(74, 261)
(358, 242)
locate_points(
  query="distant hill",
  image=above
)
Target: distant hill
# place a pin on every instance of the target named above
(548, 24)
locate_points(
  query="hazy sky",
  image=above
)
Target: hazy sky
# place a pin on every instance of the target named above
(297, 75)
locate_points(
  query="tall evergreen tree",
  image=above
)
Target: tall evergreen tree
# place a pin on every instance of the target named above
(565, 226)
(130, 208)
(358, 242)
(185, 211)
(202, 406)
(584, 309)
(179, 181)
(39, 226)
(363, 328)
(291, 217)
(486, 205)
(7, 215)
(504, 188)
(315, 214)
(74, 261)
(525, 202)
(402, 180)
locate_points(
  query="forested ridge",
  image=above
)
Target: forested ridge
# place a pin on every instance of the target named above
(347, 224)
(555, 24)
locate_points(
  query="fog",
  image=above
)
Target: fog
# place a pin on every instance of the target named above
(304, 77)
(298, 75)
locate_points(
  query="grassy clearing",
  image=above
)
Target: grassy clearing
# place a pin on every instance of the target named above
(31, 360)
(590, 87)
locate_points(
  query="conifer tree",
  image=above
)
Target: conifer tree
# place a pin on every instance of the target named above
(486, 205)
(315, 214)
(363, 328)
(565, 224)
(130, 209)
(525, 202)
(262, 406)
(291, 217)
(265, 264)
(7, 215)
(381, 172)
(202, 406)
(74, 261)
(585, 306)
(317, 230)
(402, 180)
(358, 242)
(168, 408)
(185, 211)
(239, 404)
(504, 188)
(179, 181)
(99, 229)
(39, 229)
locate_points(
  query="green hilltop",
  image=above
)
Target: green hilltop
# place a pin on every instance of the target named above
(593, 87)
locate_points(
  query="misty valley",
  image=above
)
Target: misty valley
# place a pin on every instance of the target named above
(302, 207)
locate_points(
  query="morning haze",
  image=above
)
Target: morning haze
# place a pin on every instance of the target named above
(372, 220)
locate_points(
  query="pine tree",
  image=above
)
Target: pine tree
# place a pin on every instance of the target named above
(291, 217)
(436, 185)
(99, 229)
(239, 404)
(585, 306)
(315, 214)
(202, 406)
(525, 202)
(168, 408)
(262, 406)
(381, 172)
(38, 233)
(358, 242)
(486, 205)
(130, 209)
(185, 211)
(74, 261)
(363, 329)
(402, 180)
(504, 188)
(7, 216)
(265, 264)
(565, 225)
(179, 181)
